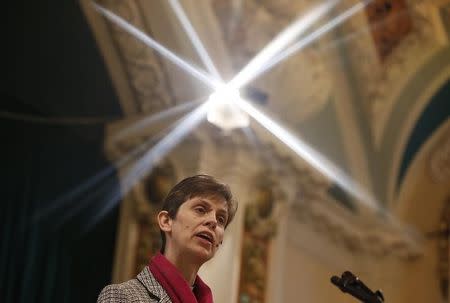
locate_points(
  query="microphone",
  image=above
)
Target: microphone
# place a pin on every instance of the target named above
(349, 283)
(337, 281)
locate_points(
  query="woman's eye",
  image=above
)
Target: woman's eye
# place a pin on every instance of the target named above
(221, 220)
(200, 210)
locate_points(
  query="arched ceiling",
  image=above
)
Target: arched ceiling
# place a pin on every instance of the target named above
(347, 95)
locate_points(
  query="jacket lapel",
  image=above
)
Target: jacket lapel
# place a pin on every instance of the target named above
(154, 288)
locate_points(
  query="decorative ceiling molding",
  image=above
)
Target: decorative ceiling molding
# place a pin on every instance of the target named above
(389, 23)
(354, 233)
(379, 83)
(113, 61)
(143, 67)
(424, 94)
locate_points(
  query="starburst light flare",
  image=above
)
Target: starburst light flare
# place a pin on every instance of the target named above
(138, 34)
(254, 68)
(293, 49)
(314, 158)
(281, 41)
(195, 40)
(164, 146)
(150, 120)
(84, 195)
(223, 112)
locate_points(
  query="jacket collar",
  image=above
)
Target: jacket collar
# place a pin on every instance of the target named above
(152, 285)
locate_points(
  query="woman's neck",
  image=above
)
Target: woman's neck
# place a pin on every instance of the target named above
(187, 268)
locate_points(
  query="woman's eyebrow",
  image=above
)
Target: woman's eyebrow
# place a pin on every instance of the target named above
(209, 204)
(223, 211)
(204, 202)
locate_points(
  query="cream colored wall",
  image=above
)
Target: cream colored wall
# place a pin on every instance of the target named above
(307, 276)
(308, 264)
(306, 279)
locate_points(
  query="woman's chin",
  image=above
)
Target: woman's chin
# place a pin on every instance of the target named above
(203, 255)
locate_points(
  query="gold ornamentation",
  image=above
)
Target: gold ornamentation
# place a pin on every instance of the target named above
(389, 22)
(259, 228)
(155, 187)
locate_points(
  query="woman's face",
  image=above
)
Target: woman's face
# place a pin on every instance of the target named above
(198, 228)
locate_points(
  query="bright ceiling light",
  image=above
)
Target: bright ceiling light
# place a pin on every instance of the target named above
(223, 112)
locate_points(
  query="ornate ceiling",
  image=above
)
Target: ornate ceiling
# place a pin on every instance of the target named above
(341, 94)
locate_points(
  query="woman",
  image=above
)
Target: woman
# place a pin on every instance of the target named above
(192, 221)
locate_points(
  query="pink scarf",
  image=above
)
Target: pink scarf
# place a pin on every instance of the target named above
(175, 285)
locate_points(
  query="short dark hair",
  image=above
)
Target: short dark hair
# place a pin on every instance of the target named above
(197, 186)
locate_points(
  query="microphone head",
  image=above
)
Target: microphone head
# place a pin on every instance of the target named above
(335, 280)
(338, 282)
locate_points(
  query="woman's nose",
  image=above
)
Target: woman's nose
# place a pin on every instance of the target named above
(211, 221)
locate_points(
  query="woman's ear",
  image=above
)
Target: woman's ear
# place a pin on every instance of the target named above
(164, 221)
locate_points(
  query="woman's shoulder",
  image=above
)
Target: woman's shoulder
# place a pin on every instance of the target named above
(112, 293)
(129, 291)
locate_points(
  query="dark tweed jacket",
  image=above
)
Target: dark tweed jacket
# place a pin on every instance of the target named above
(143, 288)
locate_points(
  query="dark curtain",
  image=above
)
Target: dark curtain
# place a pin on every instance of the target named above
(54, 247)
(53, 250)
